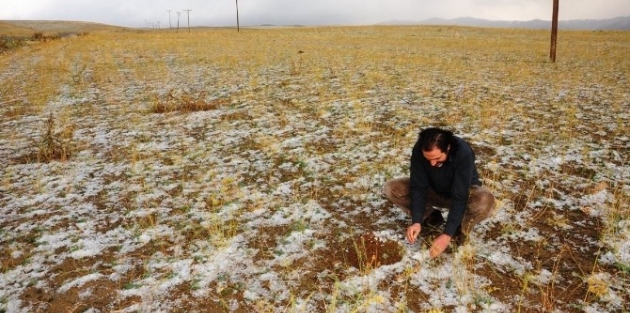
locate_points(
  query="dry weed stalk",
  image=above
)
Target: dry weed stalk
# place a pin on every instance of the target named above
(51, 146)
(186, 103)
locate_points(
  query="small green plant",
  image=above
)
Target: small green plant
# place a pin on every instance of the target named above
(130, 285)
(195, 284)
(3, 301)
(299, 226)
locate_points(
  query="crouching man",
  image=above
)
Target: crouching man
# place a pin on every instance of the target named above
(442, 174)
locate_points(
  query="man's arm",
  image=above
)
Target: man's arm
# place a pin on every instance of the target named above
(464, 168)
(418, 184)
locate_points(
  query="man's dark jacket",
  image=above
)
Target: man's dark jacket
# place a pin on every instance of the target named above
(452, 180)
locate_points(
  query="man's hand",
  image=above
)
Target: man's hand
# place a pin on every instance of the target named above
(413, 231)
(439, 245)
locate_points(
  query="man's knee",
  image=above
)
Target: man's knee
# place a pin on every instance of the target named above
(396, 188)
(481, 199)
(397, 191)
(387, 190)
(480, 207)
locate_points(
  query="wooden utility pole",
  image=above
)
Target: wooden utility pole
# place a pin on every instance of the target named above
(554, 30)
(238, 27)
(188, 15)
(178, 13)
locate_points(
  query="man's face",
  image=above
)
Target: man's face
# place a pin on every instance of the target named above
(436, 157)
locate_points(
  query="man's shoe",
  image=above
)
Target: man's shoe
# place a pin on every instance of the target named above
(435, 219)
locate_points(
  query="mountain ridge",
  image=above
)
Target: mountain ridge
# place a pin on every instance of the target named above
(617, 23)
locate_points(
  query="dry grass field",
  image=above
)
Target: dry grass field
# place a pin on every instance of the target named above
(219, 171)
(17, 33)
(27, 28)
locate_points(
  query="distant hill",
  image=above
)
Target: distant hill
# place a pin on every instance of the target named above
(21, 28)
(7, 29)
(618, 23)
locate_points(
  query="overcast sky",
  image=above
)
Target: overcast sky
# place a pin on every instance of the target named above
(139, 13)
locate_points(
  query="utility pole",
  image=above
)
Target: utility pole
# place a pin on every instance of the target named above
(178, 13)
(188, 14)
(169, 18)
(238, 28)
(554, 30)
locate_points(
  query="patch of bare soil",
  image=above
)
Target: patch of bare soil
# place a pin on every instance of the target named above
(268, 240)
(567, 253)
(367, 251)
(218, 299)
(102, 293)
(96, 294)
(52, 299)
(339, 259)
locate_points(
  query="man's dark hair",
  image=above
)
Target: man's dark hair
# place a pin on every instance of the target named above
(434, 137)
